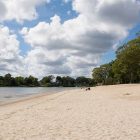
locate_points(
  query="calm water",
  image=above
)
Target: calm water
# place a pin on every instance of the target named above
(9, 94)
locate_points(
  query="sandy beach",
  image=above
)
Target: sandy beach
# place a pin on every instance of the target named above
(103, 113)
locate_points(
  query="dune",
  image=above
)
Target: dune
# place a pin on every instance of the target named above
(103, 113)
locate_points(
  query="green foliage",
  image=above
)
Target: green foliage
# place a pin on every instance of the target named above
(126, 67)
(83, 81)
(10, 81)
(31, 81)
(1, 81)
(68, 81)
(47, 81)
(7, 79)
(103, 74)
(20, 81)
(59, 81)
(71, 82)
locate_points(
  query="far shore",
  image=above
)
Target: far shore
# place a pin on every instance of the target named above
(104, 112)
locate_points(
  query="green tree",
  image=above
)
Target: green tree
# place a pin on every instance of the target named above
(59, 81)
(103, 74)
(20, 81)
(1, 81)
(68, 81)
(31, 81)
(127, 65)
(7, 80)
(47, 81)
(84, 81)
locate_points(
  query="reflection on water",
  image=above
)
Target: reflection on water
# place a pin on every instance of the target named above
(12, 93)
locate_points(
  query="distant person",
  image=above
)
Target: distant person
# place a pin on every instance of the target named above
(88, 88)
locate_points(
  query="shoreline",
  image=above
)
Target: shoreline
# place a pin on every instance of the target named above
(30, 97)
(40, 95)
(23, 99)
(104, 112)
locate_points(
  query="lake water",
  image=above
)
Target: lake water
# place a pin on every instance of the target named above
(13, 93)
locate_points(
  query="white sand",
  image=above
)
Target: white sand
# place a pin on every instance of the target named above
(104, 113)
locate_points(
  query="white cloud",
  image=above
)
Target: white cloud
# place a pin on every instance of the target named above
(11, 61)
(123, 12)
(2, 10)
(40, 62)
(80, 42)
(73, 47)
(19, 10)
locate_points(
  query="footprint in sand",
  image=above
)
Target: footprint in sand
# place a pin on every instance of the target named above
(127, 94)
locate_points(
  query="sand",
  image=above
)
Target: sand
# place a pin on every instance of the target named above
(103, 113)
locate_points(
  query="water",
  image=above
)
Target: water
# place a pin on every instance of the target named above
(14, 93)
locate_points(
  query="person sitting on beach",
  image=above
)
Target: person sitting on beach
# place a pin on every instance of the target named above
(88, 88)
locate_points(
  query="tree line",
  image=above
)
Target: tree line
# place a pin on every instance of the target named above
(47, 81)
(125, 69)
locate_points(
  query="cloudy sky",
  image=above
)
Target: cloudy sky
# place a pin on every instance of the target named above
(63, 37)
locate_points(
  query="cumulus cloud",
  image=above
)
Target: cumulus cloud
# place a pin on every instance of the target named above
(79, 42)
(40, 62)
(72, 47)
(19, 10)
(2, 10)
(124, 12)
(10, 58)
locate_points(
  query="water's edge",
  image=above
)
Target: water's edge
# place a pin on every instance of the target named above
(11, 95)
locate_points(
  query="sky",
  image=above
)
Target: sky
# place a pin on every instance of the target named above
(63, 37)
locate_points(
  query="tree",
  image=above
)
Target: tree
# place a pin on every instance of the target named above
(83, 81)
(1, 81)
(59, 81)
(31, 81)
(68, 81)
(47, 81)
(127, 65)
(103, 74)
(97, 75)
(7, 80)
(20, 81)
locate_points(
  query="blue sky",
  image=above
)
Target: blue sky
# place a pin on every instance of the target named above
(75, 35)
